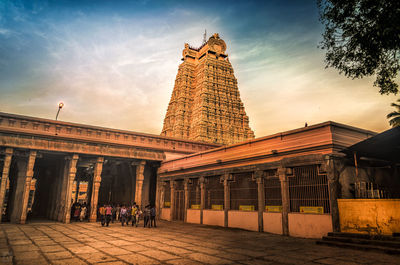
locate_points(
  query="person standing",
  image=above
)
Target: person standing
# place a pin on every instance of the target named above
(82, 215)
(128, 214)
(123, 215)
(77, 212)
(108, 211)
(112, 213)
(102, 212)
(146, 216)
(138, 214)
(153, 216)
(133, 213)
(117, 211)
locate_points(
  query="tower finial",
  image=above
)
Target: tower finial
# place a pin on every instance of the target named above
(205, 36)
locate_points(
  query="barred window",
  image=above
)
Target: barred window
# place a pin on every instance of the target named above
(272, 189)
(244, 192)
(308, 188)
(194, 194)
(214, 194)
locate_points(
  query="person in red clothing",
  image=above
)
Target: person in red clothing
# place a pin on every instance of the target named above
(108, 214)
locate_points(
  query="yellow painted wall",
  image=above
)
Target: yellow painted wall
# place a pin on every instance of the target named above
(374, 216)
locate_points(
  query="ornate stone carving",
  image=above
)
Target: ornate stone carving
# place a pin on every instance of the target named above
(205, 104)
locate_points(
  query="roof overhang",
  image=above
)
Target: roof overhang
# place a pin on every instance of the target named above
(383, 146)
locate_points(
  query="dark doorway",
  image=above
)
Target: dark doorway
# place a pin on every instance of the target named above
(47, 174)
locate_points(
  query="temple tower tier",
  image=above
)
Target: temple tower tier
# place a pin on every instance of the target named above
(205, 104)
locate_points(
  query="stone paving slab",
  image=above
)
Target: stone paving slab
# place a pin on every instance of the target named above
(170, 243)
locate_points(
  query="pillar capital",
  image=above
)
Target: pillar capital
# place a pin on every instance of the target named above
(72, 157)
(258, 176)
(172, 184)
(284, 172)
(8, 151)
(186, 183)
(203, 181)
(226, 177)
(332, 167)
(98, 167)
(99, 159)
(140, 170)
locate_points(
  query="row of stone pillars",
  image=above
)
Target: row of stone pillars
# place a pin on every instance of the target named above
(283, 173)
(61, 192)
(20, 196)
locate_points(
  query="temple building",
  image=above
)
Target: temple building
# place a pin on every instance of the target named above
(205, 104)
(47, 165)
(205, 167)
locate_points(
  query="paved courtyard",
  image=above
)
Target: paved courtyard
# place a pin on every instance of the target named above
(169, 243)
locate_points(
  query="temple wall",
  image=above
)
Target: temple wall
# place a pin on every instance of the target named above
(369, 216)
(193, 216)
(244, 220)
(272, 223)
(309, 225)
(165, 214)
(213, 217)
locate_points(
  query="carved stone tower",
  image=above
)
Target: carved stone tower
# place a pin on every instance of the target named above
(205, 104)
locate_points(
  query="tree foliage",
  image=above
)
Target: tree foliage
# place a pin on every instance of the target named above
(362, 38)
(394, 116)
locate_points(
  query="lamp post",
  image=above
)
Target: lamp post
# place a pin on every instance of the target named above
(60, 105)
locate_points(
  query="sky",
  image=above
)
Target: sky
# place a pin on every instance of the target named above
(114, 63)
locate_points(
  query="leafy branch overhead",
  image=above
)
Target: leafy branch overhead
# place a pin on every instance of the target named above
(394, 116)
(362, 38)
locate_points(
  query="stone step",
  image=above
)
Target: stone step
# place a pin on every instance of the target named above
(387, 250)
(364, 236)
(362, 241)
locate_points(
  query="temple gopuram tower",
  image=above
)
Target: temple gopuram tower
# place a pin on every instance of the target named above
(205, 104)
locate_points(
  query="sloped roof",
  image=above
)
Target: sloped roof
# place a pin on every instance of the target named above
(385, 146)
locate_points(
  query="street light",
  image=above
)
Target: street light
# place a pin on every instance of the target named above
(60, 105)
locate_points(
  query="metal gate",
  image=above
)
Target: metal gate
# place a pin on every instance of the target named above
(309, 189)
(179, 205)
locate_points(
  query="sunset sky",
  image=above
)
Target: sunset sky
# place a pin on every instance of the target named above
(113, 63)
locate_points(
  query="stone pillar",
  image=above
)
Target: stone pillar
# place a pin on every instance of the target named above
(67, 189)
(139, 183)
(226, 178)
(172, 207)
(56, 205)
(283, 174)
(259, 178)
(5, 178)
(95, 188)
(21, 197)
(202, 182)
(333, 166)
(186, 184)
(160, 197)
(62, 191)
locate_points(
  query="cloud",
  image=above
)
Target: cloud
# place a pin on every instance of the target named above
(116, 67)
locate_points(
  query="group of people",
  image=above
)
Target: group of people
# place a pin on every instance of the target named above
(127, 214)
(79, 211)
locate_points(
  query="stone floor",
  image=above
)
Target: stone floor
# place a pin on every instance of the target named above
(169, 243)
